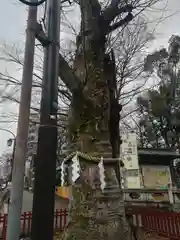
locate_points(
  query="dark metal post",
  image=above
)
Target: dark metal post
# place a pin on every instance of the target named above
(45, 164)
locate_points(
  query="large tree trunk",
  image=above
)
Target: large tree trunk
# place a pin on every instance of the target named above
(89, 118)
(93, 126)
(94, 121)
(96, 214)
(94, 110)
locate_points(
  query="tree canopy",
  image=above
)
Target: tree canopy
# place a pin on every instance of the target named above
(159, 107)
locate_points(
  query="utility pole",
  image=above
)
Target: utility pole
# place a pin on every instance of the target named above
(45, 164)
(14, 215)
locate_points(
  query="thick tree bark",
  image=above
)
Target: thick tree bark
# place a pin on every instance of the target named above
(95, 214)
(94, 110)
(90, 120)
(68, 76)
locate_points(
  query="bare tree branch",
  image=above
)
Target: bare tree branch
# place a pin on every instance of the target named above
(120, 23)
(67, 75)
(112, 11)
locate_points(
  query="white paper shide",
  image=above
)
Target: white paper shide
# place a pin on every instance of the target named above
(75, 168)
(62, 174)
(101, 173)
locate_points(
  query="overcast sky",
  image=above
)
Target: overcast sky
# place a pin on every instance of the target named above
(12, 28)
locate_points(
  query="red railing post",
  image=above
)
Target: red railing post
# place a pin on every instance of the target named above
(29, 222)
(56, 215)
(60, 220)
(4, 227)
(65, 217)
(61, 217)
(1, 224)
(177, 221)
(24, 222)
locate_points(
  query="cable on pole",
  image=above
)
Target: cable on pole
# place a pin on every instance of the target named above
(33, 4)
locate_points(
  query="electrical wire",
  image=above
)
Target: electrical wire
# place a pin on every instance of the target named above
(33, 4)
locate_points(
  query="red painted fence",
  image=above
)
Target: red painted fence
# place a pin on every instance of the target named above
(166, 224)
(60, 221)
(163, 223)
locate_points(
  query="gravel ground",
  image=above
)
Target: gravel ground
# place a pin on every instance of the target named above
(153, 236)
